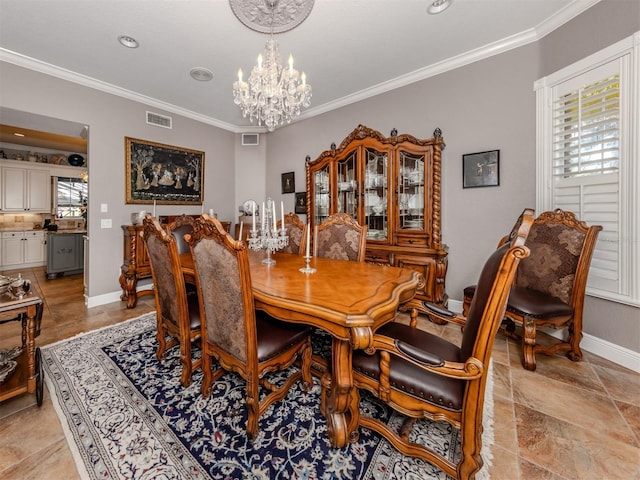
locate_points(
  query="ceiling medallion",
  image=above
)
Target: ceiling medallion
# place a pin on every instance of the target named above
(263, 17)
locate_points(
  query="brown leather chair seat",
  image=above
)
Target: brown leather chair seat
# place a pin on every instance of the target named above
(441, 391)
(526, 301)
(277, 337)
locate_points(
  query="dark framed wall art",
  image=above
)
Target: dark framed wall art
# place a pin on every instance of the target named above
(481, 169)
(162, 173)
(301, 203)
(288, 182)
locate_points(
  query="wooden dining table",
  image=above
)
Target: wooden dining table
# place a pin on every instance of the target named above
(349, 300)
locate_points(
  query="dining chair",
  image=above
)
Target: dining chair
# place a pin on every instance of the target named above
(422, 375)
(179, 227)
(242, 340)
(177, 313)
(340, 237)
(550, 287)
(296, 232)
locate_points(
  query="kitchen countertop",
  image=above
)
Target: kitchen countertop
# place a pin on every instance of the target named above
(83, 232)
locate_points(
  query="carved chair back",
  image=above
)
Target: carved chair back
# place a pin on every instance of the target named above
(180, 227)
(340, 237)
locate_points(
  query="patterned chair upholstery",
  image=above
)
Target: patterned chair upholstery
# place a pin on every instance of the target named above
(296, 232)
(422, 375)
(177, 314)
(550, 286)
(340, 237)
(241, 339)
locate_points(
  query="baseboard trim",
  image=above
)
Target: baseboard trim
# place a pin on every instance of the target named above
(603, 348)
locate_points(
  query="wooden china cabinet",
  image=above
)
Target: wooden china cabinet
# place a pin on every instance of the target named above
(392, 185)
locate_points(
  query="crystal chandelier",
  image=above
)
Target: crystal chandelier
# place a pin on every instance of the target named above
(274, 94)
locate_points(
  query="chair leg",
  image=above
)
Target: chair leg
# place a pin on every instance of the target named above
(162, 344)
(529, 343)
(253, 404)
(207, 379)
(185, 359)
(307, 381)
(575, 337)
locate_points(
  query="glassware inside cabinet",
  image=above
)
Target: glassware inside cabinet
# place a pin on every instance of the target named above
(321, 195)
(348, 185)
(411, 191)
(375, 194)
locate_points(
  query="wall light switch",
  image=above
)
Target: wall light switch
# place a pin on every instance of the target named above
(105, 223)
(104, 207)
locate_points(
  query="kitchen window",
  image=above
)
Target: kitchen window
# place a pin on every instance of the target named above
(71, 197)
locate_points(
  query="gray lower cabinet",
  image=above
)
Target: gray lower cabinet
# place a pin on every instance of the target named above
(65, 253)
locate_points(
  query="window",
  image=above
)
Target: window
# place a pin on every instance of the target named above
(71, 197)
(587, 160)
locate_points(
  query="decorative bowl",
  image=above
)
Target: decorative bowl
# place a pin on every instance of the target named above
(75, 160)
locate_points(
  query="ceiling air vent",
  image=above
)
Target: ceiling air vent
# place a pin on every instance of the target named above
(250, 138)
(159, 120)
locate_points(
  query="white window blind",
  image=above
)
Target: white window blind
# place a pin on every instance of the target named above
(586, 141)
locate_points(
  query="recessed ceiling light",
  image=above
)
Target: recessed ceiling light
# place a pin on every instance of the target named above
(18, 134)
(439, 6)
(201, 74)
(127, 41)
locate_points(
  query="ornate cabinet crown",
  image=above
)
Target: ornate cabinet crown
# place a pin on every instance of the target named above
(392, 185)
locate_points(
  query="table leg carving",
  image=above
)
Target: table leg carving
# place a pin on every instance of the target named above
(340, 398)
(128, 285)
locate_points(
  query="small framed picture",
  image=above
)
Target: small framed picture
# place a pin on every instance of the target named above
(301, 202)
(481, 169)
(288, 182)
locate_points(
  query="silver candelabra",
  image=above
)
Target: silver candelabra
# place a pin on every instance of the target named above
(268, 236)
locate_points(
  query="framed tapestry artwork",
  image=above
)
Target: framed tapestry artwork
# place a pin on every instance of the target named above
(301, 202)
(481, 169)
(288, 182)
(162, 173)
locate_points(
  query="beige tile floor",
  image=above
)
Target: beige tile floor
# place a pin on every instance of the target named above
(564, 421)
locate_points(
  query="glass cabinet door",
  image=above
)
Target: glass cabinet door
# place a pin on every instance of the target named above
(348, 185)
(321, 195)
(376, 211)
(411, 191)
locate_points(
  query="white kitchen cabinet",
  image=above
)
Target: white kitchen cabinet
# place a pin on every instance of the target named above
(25, 190)
(21, 249)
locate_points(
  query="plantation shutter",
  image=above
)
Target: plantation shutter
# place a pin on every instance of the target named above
(586, 162)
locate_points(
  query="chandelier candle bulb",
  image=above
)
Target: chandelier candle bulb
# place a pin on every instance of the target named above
(264, 214)
(308, 238)
(274, 217)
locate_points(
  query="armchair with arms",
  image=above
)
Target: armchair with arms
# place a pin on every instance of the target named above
(422, 375)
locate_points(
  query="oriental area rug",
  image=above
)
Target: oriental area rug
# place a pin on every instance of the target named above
(126, 416)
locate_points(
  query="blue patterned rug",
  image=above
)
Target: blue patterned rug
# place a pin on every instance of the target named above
(126, 416)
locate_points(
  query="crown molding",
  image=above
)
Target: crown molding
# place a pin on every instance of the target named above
(518, 40)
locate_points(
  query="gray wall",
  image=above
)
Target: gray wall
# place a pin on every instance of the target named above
(110, 119)
(483, 106)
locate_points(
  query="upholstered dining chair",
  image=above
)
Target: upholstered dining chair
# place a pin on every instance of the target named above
(550, 286)
(296, 232)
(422, 375)
(177, 314)
(241, 339)
(520, 230)
(340, 237)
